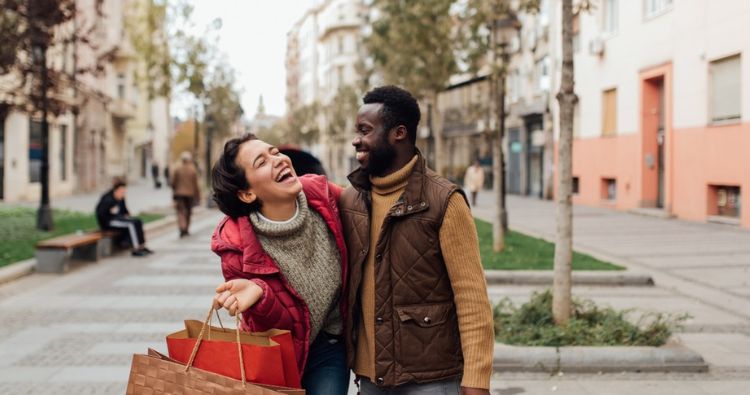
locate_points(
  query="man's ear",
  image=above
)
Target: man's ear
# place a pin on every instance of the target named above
(246, 196)
(399, 133)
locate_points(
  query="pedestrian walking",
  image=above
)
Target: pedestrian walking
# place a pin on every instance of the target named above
(155, 175)
(418, 307)
(185, 191)
(283, 257)
(474, 180)
(112, 214)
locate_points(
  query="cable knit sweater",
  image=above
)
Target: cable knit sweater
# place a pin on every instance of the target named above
(305, 251)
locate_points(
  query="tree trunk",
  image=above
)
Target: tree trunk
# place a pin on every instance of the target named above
(497, 88)
(561, 299)
(549, 159)
(437, 130)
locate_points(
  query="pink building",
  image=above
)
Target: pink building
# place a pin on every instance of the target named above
(663, 120)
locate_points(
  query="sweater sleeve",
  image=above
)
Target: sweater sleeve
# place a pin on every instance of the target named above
(460, 248)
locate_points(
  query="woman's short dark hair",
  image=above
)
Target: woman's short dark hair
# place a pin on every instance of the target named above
(227, 178)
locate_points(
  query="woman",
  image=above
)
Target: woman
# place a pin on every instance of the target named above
(283, 256)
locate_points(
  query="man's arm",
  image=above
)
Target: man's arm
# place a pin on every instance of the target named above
(460, 248)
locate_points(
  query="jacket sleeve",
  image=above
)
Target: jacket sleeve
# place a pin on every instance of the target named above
(266, 313)
(335, 190)
(124, 208)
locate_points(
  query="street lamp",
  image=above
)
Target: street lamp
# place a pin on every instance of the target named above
(503, 29)
(210, 125)
(39, 54)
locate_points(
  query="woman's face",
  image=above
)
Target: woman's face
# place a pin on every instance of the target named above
(269, 173)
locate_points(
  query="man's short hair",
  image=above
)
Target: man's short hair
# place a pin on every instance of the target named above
(118, 182)
(399, 108)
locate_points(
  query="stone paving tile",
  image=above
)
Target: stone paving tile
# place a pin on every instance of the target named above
(79, 388)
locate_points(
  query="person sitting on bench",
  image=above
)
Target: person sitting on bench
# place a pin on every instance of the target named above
(113, 214)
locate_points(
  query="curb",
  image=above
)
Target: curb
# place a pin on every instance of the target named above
(19, 269)
(587, 277)
(582, 359)
(16, 270)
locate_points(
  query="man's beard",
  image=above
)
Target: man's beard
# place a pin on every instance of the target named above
(381, 159)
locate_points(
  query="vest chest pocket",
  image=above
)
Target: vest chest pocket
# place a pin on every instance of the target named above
(428, 337)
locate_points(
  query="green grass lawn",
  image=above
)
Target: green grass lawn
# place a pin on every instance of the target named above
(18, 233)
(527, 253)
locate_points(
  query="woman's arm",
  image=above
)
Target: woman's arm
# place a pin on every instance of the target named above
(257, 301)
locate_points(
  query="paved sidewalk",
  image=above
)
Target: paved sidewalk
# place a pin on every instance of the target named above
(141, 196)
(701, 269)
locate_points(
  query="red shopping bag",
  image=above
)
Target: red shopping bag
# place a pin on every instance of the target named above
(267, 357)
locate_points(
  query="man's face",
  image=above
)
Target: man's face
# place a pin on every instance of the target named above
(375, 153)
(119, 193)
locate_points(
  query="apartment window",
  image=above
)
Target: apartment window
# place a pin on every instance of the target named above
(121, 86)
(609, 112)
(609, 189)
(653, 8)
(725, 201)
(35, 151)
(341, 45)
(544, 12)
(576, 185)
(725, 89)
(611, 16)
(543, 82)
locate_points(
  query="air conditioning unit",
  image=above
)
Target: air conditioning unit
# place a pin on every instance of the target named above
(596, 47)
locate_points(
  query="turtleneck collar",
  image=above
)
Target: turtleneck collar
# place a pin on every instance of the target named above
(266, 227)
(394, 181)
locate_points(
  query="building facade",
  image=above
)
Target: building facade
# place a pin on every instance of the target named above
(664, 108)
(323, 52)
(112, 128)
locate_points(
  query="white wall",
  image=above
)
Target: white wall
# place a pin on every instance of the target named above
(17, 181)
(689, 36)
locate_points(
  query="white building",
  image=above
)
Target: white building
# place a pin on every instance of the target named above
(115, 132)
(322, 58)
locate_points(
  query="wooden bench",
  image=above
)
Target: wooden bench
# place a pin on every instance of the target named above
(54, 255)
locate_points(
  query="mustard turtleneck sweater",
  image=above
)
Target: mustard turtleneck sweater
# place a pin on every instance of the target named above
(459, 245)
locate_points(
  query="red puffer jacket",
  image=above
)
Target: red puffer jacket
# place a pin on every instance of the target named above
(242, 256)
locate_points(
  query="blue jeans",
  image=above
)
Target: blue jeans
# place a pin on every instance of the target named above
(326, 372)
(446, 387)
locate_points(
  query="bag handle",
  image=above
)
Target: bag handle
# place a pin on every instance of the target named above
(200, 339)
(209, 323)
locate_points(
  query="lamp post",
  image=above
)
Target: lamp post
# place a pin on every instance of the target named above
(503, 28)
(44, 213)
(210, 125)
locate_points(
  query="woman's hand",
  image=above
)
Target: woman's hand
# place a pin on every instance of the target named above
(237, 295)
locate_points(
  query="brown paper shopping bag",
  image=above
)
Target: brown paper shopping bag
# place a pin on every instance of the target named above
(157, 374)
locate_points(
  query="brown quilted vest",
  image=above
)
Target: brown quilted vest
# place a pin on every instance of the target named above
(416, 327)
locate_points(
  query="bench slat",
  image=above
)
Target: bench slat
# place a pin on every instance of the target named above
(70, 241)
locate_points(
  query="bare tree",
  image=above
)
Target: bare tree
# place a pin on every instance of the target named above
(561, 299)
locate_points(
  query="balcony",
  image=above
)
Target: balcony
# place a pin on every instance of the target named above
(122, 109)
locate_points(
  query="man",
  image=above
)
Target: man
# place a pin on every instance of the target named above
(419, 316)
(474, 181)
(186, 192)
(113, 214)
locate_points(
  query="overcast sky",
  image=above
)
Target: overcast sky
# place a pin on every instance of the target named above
(253, 36)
